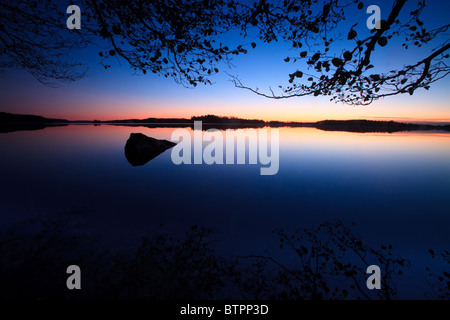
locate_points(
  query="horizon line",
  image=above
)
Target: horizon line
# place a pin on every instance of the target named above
(377, 118)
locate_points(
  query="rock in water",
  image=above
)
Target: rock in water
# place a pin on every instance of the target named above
(140, 149)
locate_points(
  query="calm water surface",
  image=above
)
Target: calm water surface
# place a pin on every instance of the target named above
(395, 187)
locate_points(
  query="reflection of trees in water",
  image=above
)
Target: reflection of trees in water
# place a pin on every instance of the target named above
(165, 267)
(330, 263)
(440, 283)
(34, 256)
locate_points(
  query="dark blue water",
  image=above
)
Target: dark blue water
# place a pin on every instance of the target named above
(395, 187)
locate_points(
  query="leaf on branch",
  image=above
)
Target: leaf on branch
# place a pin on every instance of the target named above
(298, 74)
(382, 41)
(351, 35)
(348, 55)
(337, 62)
(180, 48)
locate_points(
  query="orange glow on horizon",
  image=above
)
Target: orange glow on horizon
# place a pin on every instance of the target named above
(275, 117)
(309, 110)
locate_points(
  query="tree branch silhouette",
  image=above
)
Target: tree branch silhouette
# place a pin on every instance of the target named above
(345, 76)
(32, 38)
(189, 40)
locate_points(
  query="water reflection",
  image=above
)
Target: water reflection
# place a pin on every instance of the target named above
(329, 262)
(396, 187)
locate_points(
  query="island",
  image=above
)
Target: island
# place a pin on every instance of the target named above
(10, 122)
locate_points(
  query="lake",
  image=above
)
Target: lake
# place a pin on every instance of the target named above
(395, 188)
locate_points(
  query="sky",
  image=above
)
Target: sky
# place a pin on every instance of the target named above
(117, 93)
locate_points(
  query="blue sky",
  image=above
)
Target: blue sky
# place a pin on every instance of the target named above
(118, 93)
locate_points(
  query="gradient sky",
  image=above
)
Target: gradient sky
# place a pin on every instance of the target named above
(118, 94)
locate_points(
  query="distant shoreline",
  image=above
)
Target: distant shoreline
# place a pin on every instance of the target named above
(16, 122)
